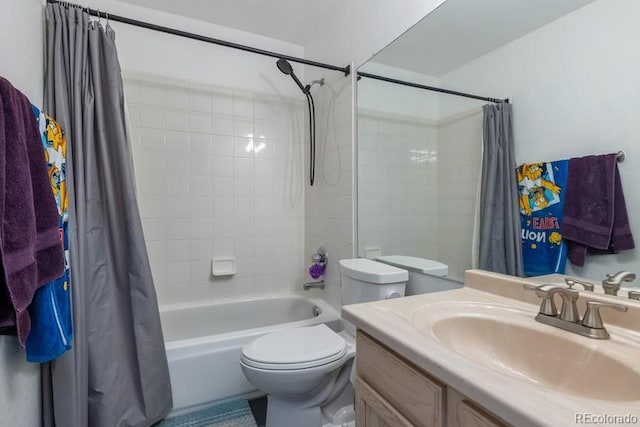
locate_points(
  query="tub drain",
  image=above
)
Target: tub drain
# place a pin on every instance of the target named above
(316, 311)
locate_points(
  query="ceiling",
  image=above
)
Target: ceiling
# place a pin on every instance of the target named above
(460, 31)
(287, 20)
(455, 34)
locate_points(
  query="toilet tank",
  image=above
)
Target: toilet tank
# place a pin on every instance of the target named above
(425, 275)
(364, 280)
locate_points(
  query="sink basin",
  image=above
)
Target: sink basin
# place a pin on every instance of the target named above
(510, 342)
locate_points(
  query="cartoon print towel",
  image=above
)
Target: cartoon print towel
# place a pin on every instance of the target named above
(541, 187)
(51, 322)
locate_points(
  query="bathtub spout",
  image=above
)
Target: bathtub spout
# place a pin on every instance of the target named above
(309, 285)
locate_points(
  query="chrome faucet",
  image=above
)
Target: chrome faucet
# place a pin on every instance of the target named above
(611, 284)
(310, 285)
(569, 310)
(591, 325)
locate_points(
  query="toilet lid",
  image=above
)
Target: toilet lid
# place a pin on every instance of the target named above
(295, 348)
(418, 265)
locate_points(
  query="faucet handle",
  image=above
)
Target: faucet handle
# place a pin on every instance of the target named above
(635, 295)
(571, 282)
(625, 276)
(320, 256)
(547, 306)
(593, 319)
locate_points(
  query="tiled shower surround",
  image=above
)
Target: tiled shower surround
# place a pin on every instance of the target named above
(417, 184)
(459, 159)
(397, 185)
(219, 174)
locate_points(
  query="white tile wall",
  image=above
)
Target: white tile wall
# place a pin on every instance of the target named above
(397, 185)
(205, 169)
(459, 156)
(417, 183)
(329, 213)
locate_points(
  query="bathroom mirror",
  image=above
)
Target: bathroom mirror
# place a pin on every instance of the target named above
(569, 68)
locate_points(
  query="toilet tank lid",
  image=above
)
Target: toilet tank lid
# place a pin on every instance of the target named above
(370, 271)
(415, 264)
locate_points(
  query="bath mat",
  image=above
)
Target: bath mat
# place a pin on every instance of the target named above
(231, 414)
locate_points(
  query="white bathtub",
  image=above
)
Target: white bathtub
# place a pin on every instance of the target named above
(204, 342)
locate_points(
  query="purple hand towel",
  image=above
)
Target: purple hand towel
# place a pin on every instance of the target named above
(30, 247)
(595, 213)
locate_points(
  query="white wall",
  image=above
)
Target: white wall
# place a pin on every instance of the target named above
(574, 86)
(21, 64)
(21, 47)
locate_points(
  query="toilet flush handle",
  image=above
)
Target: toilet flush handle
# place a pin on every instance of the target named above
(393, 294)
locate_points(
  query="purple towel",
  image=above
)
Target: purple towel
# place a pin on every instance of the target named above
(30, 247)
(595, 213)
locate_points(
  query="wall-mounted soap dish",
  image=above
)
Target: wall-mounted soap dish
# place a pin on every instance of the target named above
(223, 266)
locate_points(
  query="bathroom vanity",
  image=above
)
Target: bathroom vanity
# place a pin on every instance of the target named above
(392, 391)
(476, 356)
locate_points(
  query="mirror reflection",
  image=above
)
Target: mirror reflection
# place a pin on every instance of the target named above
(568, 68)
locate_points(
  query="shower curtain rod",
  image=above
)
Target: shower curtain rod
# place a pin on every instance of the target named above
(101, 14)
(432, 88)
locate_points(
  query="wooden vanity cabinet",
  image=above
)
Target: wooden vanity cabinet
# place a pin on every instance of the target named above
(391, 391)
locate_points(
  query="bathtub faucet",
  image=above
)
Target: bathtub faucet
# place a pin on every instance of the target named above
(309, 285)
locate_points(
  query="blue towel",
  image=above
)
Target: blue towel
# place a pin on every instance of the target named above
(541, 187)
(51, 323)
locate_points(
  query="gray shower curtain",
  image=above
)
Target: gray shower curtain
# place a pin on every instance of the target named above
(116, 374)
(500, 246)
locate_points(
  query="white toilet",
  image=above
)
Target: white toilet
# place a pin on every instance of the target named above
(425, 275)
(305, 369)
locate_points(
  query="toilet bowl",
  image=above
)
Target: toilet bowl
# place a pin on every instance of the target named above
(306, 370)
(301, 369)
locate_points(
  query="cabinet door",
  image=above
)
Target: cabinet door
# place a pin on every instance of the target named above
(416, 395)
(372, 410)
(464, 413)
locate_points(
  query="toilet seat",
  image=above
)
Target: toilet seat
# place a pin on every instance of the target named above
(293, 349)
